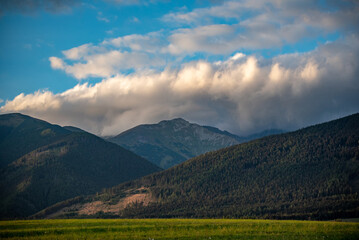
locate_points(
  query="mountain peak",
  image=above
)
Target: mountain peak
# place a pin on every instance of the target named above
(171, 142)
(175, 120)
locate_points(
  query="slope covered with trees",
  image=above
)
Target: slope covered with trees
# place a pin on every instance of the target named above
(310, 173)
(44, 164)
(20, 134)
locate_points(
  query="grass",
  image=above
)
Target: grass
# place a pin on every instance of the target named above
(176, 229)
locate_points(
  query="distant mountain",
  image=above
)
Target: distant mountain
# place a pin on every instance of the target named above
(310, 173)
(247, 138)
(42, 164)
(171, 142)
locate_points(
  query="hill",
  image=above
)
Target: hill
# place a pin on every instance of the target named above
(310, 173)
(171, 142)
(43, 164)
(20, 134)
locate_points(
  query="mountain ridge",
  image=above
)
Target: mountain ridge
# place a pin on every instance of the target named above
(18, 129)
(170, 142)
(310, 173)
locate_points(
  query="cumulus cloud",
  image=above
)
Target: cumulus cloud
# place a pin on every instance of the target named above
(77, 53)
(112, 56)
(107, 64)
(57, 63)
(242, 94)
(41, 100)
(99, 61)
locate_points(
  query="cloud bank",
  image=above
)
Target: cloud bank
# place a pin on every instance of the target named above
(243, 94)
(147, 77)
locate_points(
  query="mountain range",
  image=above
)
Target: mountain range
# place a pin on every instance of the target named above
(42, 164)
(171, 142)
(312, 173)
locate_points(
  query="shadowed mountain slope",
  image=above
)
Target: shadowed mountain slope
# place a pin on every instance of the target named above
(20, 134)
(44, 164)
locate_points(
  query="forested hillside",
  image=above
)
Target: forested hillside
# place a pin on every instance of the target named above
(20, 134)
(310, 173)
(44, 164)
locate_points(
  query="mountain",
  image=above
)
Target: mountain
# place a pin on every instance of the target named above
(42, 164)
(261, 134)
(73, 129)
(310, 173)
(171, 142)
(20, 134)
(242, 139)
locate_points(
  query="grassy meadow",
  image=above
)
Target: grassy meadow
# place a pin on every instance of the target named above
(176, 229)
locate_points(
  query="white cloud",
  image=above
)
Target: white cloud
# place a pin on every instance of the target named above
(112, 56)
(39, 101)
(77, 53)
(57, 63)
(237, 56)
(213, 39)
(247, 25)
(330, 15)
(107, 64)
(259, 24)
(243, 94)
(151, 43)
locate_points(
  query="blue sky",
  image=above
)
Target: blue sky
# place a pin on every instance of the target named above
(31, 36)
(242, 66)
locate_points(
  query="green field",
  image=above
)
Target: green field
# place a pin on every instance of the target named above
(176, 229)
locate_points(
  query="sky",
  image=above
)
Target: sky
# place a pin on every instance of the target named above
(242, 66)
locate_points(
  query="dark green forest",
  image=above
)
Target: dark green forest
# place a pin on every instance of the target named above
(312, 173)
